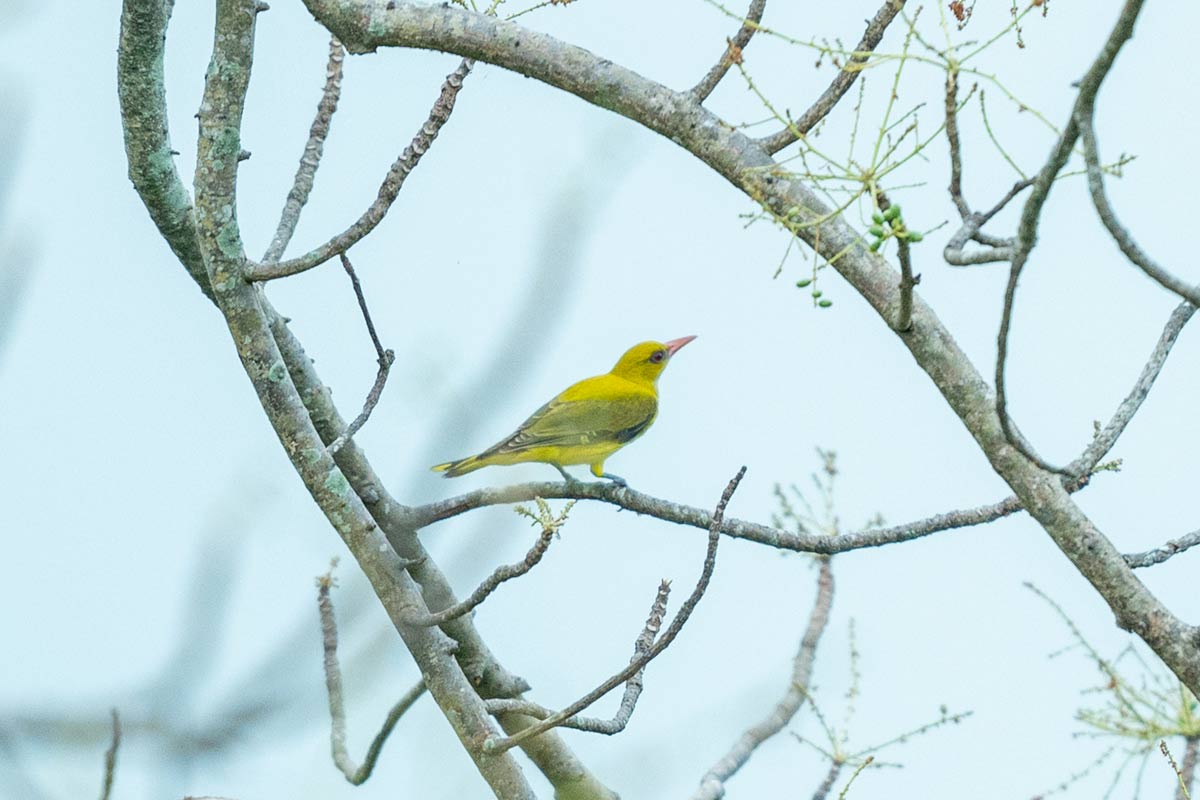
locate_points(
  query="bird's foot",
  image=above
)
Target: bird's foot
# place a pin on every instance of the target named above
(617, 479)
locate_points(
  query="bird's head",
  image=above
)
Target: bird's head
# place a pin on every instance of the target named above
(645, 362)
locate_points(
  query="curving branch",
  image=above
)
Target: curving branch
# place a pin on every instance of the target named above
(364, 26)
(712, 785)
(733, 52)
(642, 655)
(310, 160)
(1031, 215)
(841, 84)
(356, 774)
(110, 758)
(401, 168)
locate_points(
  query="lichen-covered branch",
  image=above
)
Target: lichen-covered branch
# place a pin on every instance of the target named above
(733, 51)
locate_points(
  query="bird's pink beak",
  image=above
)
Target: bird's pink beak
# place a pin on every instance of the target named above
(675, 345)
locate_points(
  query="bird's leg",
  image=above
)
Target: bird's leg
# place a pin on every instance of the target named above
(568, 477)
(617, 479)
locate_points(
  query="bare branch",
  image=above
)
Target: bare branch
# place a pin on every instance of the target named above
(354, 773)
(997, 249)
(1187, 773)
(712, 785)
(388, 191)
(1031, 215)
(384, 358)
(733, 52)
(1095, 176)
(110, 758)
(311, 158)
(633, 686)
(503, 573)
(1106, 438)
(951, 104)
(678, 513)
(1163, 552)
(841, 84)
(835, 769)
(639, 662)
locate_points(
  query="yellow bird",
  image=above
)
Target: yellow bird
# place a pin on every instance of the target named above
(588, 421)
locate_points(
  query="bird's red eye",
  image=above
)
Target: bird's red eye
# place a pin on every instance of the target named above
(657, 356)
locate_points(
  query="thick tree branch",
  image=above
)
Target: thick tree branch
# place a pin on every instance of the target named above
(733, 51)
(841, 84)
(401, 168)
(364, 26)
(310, 160)
(712, 785)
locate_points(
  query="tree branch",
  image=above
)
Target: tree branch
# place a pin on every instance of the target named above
(384, 358)
(1163, 552)
(712, 785)
(355, 774)
(363, 27)
(841, 84)
(733, 51)
(110, 758)
(311, 158)
(1031, 214)
(439, 114)
(668, 511)
(640, 660)
(633, 686)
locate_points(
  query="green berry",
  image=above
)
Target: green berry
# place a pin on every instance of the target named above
(875, 245)
(892, 213)
(876, 231)
(800, 284)
(824, 303)
(915, 236)
(877, 218)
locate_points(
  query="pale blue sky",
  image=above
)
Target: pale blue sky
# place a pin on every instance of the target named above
(135, 448)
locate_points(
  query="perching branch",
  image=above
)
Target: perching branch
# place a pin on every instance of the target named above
(633, 686)
(354, 773)
(733, 51)
(311, 158)
(841, 84)
(633, 500)
(639, 662)
(712, 785)
(384, 358)
(439, 114)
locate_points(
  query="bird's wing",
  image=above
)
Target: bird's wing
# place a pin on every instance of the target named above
(609, 417)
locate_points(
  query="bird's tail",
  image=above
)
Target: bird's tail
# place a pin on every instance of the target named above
(453, 469)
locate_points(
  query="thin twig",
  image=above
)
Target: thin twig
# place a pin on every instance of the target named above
(1182, 792)
(733, 52)
(955, 188)
(633, 686)
(110, 758)
(998, 249)
(1168, 549)
(384, 358)
(503, 573)
(392, 183)
(1106, 438)
(310, 160)
(712, 785)
(841, 84)
(354, 773)
(1031, 215)
(1124, 240)
(1187, 773)
(668, 511)
(662, 643)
